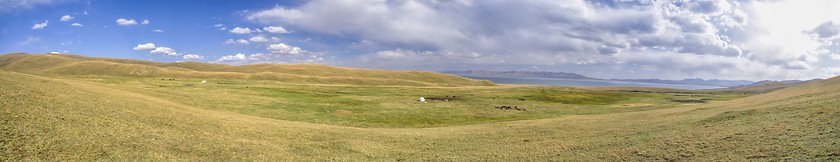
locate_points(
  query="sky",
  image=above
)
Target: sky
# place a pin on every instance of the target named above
(646, 39)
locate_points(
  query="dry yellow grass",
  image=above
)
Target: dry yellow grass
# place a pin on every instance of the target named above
(49, 118)
(294, 73)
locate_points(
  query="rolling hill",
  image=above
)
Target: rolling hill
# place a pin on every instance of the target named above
(46, 116)
(62, 64)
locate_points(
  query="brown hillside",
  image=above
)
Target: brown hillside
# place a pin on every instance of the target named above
(61, 64)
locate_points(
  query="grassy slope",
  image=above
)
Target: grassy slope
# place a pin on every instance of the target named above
(299, 73)
(70, 119)
(761, 88)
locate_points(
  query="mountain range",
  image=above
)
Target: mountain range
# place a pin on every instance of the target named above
(533, 74)
(566, 75)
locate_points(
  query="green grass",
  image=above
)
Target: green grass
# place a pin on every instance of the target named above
(394, 106)
(59, 117)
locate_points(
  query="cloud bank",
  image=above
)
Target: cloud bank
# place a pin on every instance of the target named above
(743, 39)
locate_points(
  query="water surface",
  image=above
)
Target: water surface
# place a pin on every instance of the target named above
(584, 82)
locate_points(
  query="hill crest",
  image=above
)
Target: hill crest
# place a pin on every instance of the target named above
(64, 64)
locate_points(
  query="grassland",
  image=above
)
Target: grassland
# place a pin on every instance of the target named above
(63, 116)
(49, 64)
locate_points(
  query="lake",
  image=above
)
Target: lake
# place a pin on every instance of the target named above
(584, 82)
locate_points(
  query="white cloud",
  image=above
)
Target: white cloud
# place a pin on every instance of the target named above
(237, 41)
(157, 30)
(835, 56)
(165, 50)
(156, 49)
(144, 22)
(126, 22)
(240, 58)
(76, 25)
(263, 39)
(7, 6)
(281, 48)
(40, 25)
(147, 46)
(276, 29)
(220, 26)
(829, 72)
(778, 35)
(236, 57)
(66, 18)
(238, 30)
(826, 30)
(193, 57)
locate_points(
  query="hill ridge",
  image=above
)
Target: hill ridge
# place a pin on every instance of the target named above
(64, 64)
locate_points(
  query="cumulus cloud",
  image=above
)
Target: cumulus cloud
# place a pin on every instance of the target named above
(126, 22)
(259, 39)
(281, 48)
(277, 53)
(147, 46)
(164, 50)
(144, 22)
(239, 30)
(236, 57)
(557, 33)
(66, 18)
(263, 39)
(276, 29)
(240, 58)
(76, 25)
(237, 41)
(475, 27)
(157, 31)
(193, 57)
(40, 25)
(826, 30)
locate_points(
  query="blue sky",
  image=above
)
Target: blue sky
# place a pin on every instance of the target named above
(713, 39)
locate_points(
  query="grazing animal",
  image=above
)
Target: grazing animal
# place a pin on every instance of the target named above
(422, 99)
(203, 81)
(521, 99)
(509, 107)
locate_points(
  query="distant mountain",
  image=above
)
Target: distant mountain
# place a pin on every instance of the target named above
(534, 74)
(695, 81)
(766, 85)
